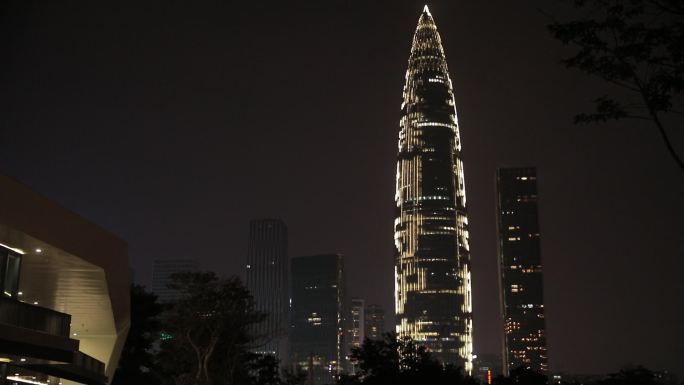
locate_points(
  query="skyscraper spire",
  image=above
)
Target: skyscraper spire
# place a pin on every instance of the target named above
(432, 260)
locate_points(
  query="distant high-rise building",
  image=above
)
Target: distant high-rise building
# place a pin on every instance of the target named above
(375, 322)
(356, 332)
(267, 279)
(520, 269)
(162, 270)
(317, 338)
(432, 259)
(486, 367)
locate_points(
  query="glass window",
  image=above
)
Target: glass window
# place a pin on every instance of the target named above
(10, 264)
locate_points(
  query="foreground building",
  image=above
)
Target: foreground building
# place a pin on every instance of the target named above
(65, 300)
(267, 280)
(520, 270)
(432, 263)
(317, 334)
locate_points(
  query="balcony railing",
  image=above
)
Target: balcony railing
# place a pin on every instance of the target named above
(27, 316)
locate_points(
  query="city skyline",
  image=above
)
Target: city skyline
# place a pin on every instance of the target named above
(176, 130)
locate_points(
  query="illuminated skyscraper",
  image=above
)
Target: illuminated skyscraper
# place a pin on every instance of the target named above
(520, 268)
(267, 280)
(432, 288)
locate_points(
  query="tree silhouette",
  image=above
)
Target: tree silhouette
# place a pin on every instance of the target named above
(208, 328)
(637, 45)
(137, 358)
(400, 361)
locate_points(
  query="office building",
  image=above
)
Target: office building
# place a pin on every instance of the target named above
(317, 333)
(520, 270)
(375, 322)
(162, 272)
(267, 279)
(486, 367)
(432, 259)
(356, 330)
(65, 299)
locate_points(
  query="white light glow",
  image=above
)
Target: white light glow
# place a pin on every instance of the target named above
(19, 251)
(25, 380)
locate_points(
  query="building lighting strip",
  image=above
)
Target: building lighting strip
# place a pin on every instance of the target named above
(25, 381)
(20, 251)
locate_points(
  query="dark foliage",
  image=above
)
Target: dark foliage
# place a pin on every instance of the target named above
(264, 370)
(637, 45)
(400, 362)
(137, 358)
(634, 375)
(521, 376)
(209, 327)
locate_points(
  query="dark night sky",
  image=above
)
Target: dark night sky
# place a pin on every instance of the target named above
(173, 123)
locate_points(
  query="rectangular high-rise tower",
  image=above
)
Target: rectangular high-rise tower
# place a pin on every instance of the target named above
(267, 280)
(432, 258)
(520, 270)
(317, 335)
(163, 270)
(356, 330)
(375, 322)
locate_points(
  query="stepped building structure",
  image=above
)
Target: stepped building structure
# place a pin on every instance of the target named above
(65, 293)
(432, 261)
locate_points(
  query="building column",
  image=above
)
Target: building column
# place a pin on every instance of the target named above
(3, 373)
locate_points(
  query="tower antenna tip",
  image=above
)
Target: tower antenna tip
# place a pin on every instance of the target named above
(426, 10)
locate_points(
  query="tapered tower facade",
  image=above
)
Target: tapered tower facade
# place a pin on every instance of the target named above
(432, 262)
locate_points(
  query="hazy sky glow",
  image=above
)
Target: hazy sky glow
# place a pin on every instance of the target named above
(173, 123)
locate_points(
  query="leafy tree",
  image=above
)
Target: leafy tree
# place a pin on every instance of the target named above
(399, 361)
(631, 375)
(209, 332)
(294, 377)
(264, 370)
(524, 376)
(521, 376)
(137, 357)
(637, 45)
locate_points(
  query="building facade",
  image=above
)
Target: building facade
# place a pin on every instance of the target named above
(375, 322)
(65, 299)
(317, 334)
(486, 367)
(267, 280)
(162, 270)
(432, 260)
(356, 329)
(520, 270)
